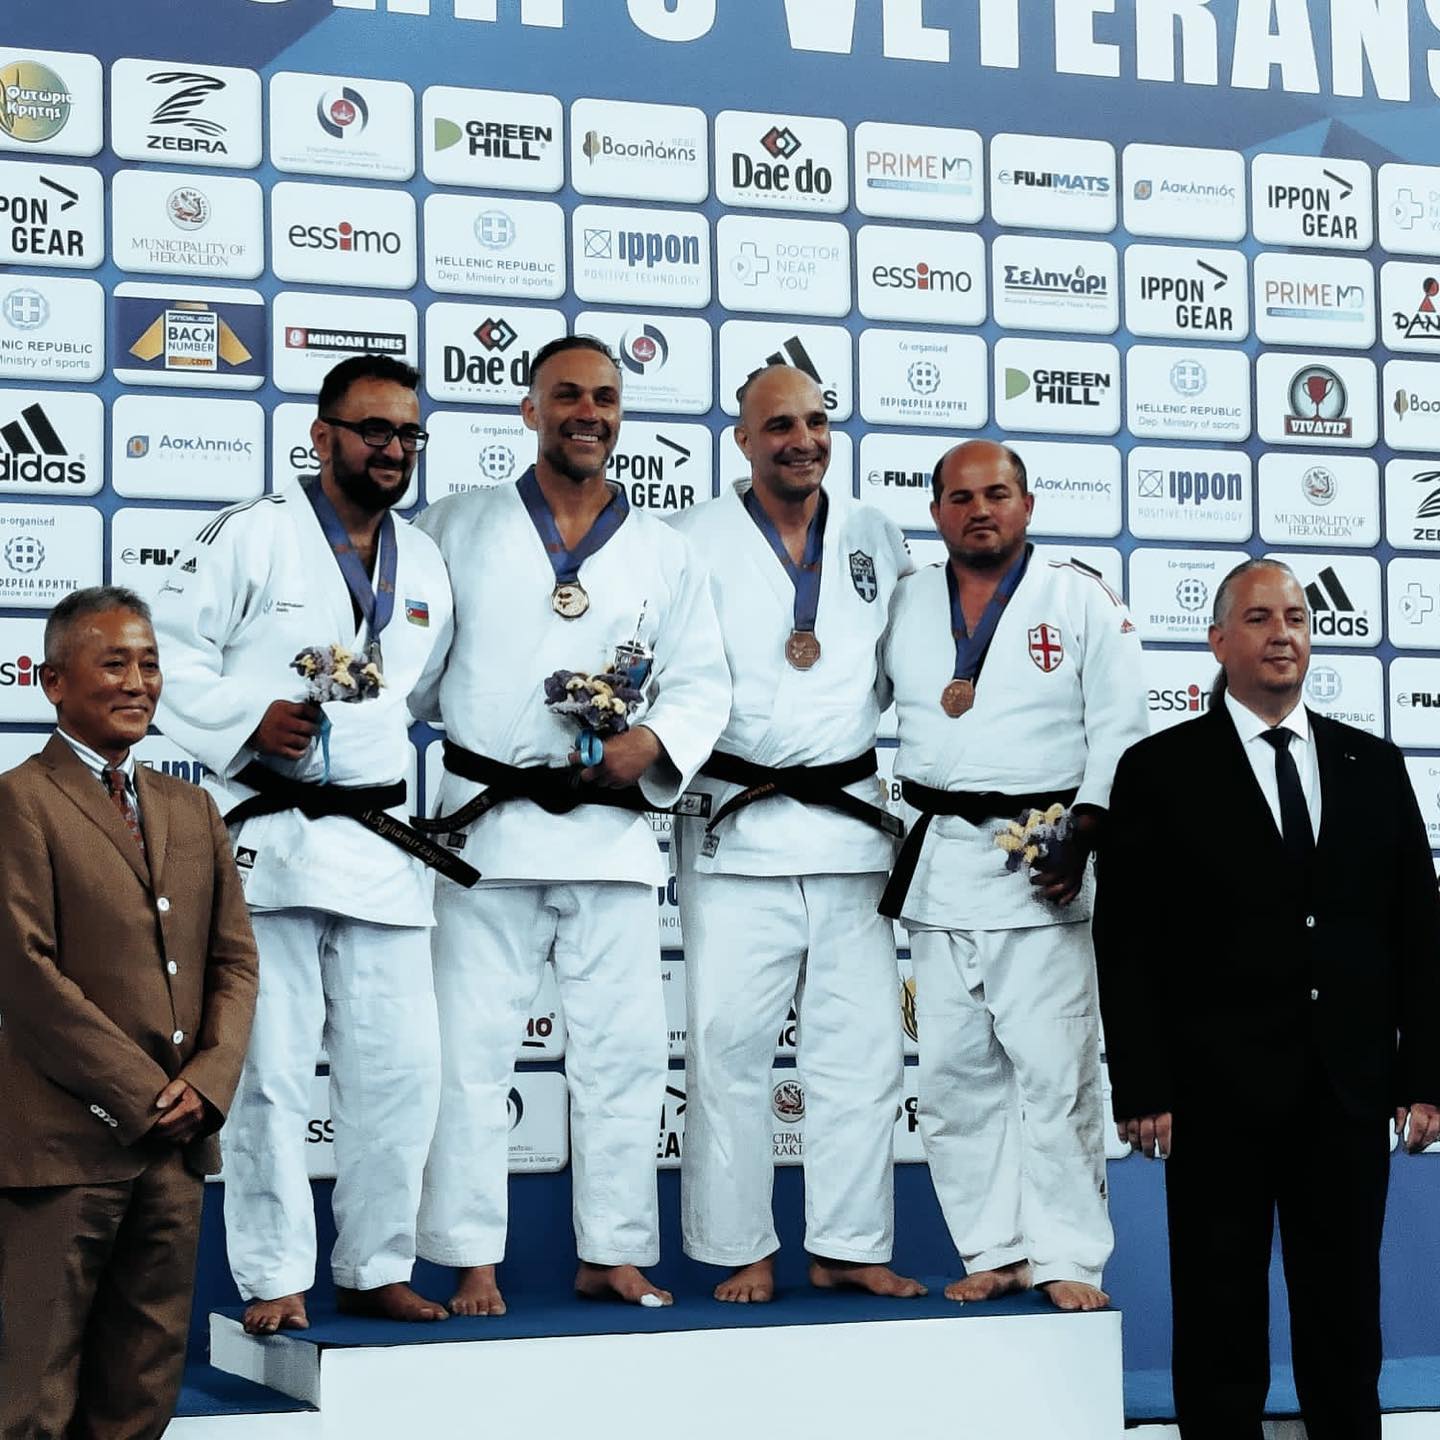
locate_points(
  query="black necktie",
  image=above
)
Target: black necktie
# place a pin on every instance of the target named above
(1294, 813)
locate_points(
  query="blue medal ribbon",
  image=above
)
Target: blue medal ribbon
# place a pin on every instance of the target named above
(375, 602)
(565, 562)
(805, 576)
(970, 649)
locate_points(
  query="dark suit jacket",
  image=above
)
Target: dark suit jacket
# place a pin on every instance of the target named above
(1219, 975)
(88, 1005)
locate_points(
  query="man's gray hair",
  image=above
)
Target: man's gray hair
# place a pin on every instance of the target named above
(1223, 596)
(76, 606)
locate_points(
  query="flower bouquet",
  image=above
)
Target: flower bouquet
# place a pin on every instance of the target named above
(1038, 840)
(334, 673)
(600, 705)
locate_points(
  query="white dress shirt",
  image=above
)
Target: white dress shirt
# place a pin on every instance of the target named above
(1261, 755)
(97, 764)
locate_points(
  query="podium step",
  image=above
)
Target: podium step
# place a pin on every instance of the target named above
(216, 1405)
(815, 1366)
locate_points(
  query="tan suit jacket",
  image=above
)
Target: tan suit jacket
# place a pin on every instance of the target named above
(115, 975)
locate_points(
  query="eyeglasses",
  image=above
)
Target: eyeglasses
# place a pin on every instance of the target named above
(377, 434)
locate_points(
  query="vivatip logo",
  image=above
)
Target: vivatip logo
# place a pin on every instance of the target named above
(781, 162)
(665, 360)
(1177, 685)
(1415, 702)
(935, 276)
(1413, 589)
(1408, 200)
(51, 215)
(1412, 504)
(1172, 592)
(313, 333)
(1175, 392)
(1048, 284)
(162, 448)
(1318, 400)
(1319, 500)
(473, 452)
(800, 267)
(1410, 306)
(633, 151)
(50, 102)
(51, 329)
(51, 443)
(919, 172)
(477, 245)
(1190, 494)
(46, 551)
(924, 378)
(1046, 182)
(1317, 201)
(22, 648)
(188, 335)
(1184, 193)
(493, 139)
(482, 355)
(1348, 688)
(627, 256)
(895, 475)
(1343, 593)
(184, 113)
(1176, 291)
(1412, 405)
(663, 467)
(343, 235)
(1076, 488)
(333, 125)
(823, 352)
(1315, 300)
(1066, 387)
(165, 223)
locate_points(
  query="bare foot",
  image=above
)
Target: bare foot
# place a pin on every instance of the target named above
(476, 1292)
(851, 1275)
(388, 1302)
(285, 1312)
(619, 1282)
(752, 1284)
(1074, 1295)
(991, 1284)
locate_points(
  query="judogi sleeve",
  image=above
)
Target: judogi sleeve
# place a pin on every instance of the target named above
(424, 700)
(900, 557)
(206, 712)
(1113, 688)
(692, 683)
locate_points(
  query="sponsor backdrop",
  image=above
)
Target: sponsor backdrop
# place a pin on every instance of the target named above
(960, 220)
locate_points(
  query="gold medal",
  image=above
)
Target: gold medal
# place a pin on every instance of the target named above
(569, 601)
(802, 649)
(957, 697)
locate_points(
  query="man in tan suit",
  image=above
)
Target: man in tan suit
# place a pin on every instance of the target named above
(127, 983)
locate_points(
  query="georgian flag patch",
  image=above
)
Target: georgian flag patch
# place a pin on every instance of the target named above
(417, 612)
(1045, 647)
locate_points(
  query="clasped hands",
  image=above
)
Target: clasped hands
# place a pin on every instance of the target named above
(1150, 1134)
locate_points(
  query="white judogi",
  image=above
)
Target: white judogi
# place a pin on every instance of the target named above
(578, 885)
(340, 914)
(779, 904)
(1010, 1104)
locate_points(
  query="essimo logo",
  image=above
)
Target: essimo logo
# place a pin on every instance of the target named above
(20, 672)
(922, 276)
(346, 238)
(322, 232)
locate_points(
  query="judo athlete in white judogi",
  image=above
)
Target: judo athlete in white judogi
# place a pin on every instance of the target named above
(1010, 1087)
(553, 573)
(340, 903)
(778, 886)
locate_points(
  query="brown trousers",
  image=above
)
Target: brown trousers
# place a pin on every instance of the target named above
(95, 1289)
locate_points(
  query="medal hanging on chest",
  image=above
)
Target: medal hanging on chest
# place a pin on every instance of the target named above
(957, 698)
(802, 645)
(375, 602)
(569, 599)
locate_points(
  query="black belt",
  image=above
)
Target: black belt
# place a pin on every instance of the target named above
(972, 806)
(809, 784)
(365, 804)
(556, 789)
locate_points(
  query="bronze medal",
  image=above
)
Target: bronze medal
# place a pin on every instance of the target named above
(957, 697)
(802, 649)
(570, 601)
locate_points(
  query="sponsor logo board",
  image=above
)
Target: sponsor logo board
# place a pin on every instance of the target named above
(1190, 494)
(1314, 300)
(472, 452)
(935, 276)
(1068, 387)
(1049, 183)
(1077, 488)
(663, 467)
(1343, 593)
(1316, 400)
(51, 443)
(665, 360)
(313, 333)
(162, 448)
(822, 351)
(1184, 193)
(343, 235)
(482, 354)
(633, 151)
(924, 378)
(165, 223)
(1172, 592)
(493, 139)
(1049, 284)
(52, 215)
(919, 172)
(51, 329)
(1316, 201)
(22, 648)
(1177, 685)
(781, 162)
(46, 551)
(1348, 688)
(483, 246)
(1413, 589)
(1410, 306)
(1176, 392)
(50, 102)
(1415, 702)
(1408, 202)
(184, 113)
(1412, 504)
(144, 543)
(334, 125)
(626, 256)
(1411, 391)
(188, 335)
(1186, 293)
(1320, 500)
(895, 475)
(799, 267)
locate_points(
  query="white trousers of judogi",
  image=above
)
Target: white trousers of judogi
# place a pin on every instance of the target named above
(491, 944)
(754, 943)
(1010, 1096)
(365, 992)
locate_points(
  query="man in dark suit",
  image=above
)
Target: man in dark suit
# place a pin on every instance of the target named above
(127, 982)
(1266, 930)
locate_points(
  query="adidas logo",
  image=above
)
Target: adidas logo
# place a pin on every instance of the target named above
(1332, 612)
(189, 567)
(35, 454)
(793, 352)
